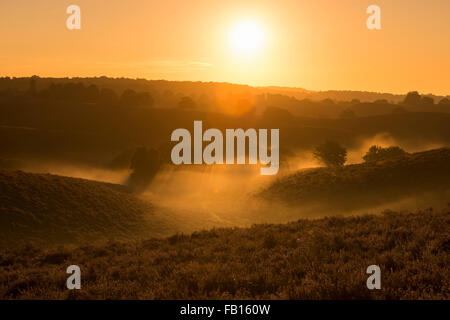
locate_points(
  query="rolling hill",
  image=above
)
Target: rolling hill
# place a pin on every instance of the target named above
(366, 184)
(50, 209)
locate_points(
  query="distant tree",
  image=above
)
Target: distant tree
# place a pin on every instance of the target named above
(426, 101)
(381, 101)
(377, 153)
(33, 84)
(145, 99)
(399, 110)
(186, 103)
(444, 101)
(167, 94)
(328, 101)
(347, 114)
(129, 98)
(74, 91)
(108, 97)
(145, 163)
(92, 93)
(355, 101)
(331, 153)
(412, 98)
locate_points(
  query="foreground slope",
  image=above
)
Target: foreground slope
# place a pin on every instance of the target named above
(308, 259)
(50, 209)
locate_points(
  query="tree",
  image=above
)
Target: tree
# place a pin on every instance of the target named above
(92, 93)
(32, 90)
(347, 114)
(145, 164)
(427, 101)
(377, 153)
(108, 97)
(129, 98)
(328, 101)
(186, 103)
(444, 101)
(145, 99)
(412, 98)
(399, 110)
(331, 153)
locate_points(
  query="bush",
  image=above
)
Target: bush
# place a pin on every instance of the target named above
(412, 99)
(377, 153)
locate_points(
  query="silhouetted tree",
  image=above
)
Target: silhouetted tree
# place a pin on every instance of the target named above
(328, 101)
(33, 84)
(92, 93)
(444, 101)
(145, 163)
(377, 153)
(145, 99)
(186, 103)
(331, 153)
(108, 97)
(399, 110)
(427, 101)
(412, 98)
(129, 98)
(347, 114)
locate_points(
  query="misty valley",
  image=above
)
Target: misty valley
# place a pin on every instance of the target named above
(203, 190)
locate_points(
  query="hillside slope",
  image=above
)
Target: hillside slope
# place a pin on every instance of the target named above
(356, 185)
(307, 259)
(50, 209)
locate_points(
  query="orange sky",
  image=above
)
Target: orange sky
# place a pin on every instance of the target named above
(319, 45)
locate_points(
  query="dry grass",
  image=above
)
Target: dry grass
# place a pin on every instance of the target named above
(308, 259)
(367, 184)
(47, 209)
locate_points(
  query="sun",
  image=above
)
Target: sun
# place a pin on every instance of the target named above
(247, 38)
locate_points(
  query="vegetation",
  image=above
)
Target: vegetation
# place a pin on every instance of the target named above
(331, 154)
(46, 209)
(369, 183)
(412, 98)
(145, 164)
(48, 222)
(307, 259)
(377, 153)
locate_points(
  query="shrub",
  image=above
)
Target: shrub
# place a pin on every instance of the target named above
(377, 153)
(331, 153)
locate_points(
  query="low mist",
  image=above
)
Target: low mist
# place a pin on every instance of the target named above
(203, 197)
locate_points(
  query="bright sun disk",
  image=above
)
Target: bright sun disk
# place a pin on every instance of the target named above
(246, 38)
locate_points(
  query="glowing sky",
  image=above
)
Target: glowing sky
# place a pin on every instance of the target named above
(311, 44)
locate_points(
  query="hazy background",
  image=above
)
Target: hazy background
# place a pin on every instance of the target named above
(311, 44)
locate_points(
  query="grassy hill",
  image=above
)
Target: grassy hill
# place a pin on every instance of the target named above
(307, 259)
(358, 185)
(50, 209)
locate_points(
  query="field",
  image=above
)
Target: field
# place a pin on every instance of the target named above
(86, 178)
(308, 259)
